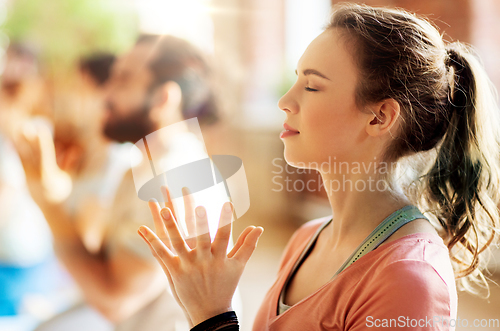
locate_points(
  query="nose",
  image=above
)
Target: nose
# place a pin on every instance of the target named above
(287, 102)
(109, 91)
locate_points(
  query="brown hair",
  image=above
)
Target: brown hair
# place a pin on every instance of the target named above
(98, 66)
(448, 111)
(178, 60)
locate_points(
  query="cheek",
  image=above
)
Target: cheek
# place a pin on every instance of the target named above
(332, 130)
(124, 101)
(328, 122)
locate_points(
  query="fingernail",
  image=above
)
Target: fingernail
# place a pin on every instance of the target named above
(142, 231)
(200, 211)
(153, 200)
(227, 207)
(165, 214)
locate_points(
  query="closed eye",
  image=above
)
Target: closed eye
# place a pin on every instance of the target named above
(310, 89)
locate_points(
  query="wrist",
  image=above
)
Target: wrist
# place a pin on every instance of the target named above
(225, 321)
(202, 315)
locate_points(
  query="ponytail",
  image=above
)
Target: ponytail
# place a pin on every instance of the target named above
(462, 185)
(449, 131)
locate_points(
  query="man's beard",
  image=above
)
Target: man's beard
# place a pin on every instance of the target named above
(129, 128)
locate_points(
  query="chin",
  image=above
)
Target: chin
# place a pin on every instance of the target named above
(296, 161)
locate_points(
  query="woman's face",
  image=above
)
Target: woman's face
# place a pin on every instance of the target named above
(321, 106)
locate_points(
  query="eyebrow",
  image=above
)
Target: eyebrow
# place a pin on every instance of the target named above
(307, 72)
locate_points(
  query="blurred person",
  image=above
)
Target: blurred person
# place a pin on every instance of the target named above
(96, 164)
(417, 119)
(22, 92)
(79, 115)
(30, 278)
(161, 81)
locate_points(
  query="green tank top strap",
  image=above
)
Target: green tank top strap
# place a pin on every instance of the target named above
(383, 231)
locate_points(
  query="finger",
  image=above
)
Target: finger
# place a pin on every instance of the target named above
(174, 234)
(168, 200)
(203, 241)
(28, 141)
(189, 211)
(46, 146)
(250, 243)
(33, 139)
(22, 146)
(240, 241)
(29, 153)
(160, 228)
(221, 239)
(155, 254)
(170, 205)
(156, 245)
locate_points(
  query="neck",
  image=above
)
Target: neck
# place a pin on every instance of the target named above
(358, 206)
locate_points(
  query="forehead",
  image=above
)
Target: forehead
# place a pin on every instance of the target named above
(136, 62)
(329, 54)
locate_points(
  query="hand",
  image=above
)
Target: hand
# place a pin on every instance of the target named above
(47, 183)
(204, 277)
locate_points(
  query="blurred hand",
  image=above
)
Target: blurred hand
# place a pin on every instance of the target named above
(202, 275)
(47, 183)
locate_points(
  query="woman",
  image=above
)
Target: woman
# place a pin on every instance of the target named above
(378, 91)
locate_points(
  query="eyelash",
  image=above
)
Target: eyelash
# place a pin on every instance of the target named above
(310, 89)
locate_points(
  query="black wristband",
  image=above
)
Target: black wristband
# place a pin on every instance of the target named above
(223, 322)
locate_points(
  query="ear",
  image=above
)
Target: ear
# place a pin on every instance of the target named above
(166, 103)
(385, 115)
(168, 94)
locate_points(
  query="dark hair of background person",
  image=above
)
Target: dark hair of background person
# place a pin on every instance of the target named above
(177, 60)
(98, 66)
(448, 110)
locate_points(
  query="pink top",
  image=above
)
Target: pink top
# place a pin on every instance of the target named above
(405, 284)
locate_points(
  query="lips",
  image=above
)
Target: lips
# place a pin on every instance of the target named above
(289, 131)
(289, 128)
